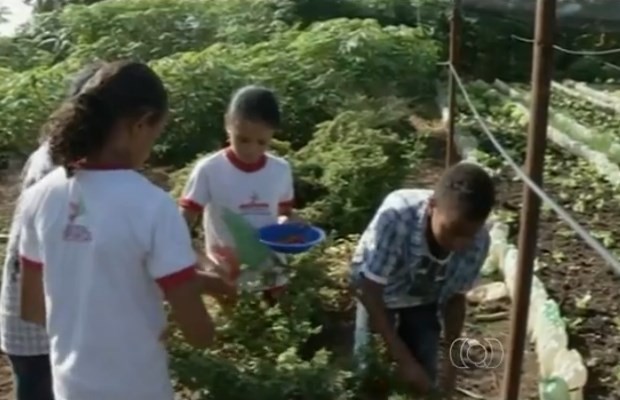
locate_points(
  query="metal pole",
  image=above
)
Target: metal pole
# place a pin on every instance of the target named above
(536, 144)
(455, 44)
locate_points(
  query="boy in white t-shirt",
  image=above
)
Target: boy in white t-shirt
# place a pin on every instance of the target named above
(101, 247)
(244, 178)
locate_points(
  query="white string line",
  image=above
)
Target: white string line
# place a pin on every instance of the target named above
(591, 241)
(574, 52)
(612, 66)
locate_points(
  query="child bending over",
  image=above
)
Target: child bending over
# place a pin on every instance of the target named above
(413, 265)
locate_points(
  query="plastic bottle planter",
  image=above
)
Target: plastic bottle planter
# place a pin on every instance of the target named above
(547, 330)
(497, 249)
(568, 365)
(548, 318)
(510, 269)
(538, 296)
(553, 388)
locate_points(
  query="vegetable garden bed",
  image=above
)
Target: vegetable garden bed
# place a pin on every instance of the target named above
(586, 289)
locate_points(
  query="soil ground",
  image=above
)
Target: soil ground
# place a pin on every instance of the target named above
(572, 270)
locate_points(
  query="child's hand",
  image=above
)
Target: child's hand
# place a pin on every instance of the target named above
(294, 218)
(227, 264)
(415, 377)
(448, 376)
(219, 287)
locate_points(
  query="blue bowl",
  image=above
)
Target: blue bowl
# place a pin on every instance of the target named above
(275, 236)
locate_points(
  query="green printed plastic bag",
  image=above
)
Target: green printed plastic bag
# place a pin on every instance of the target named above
(233, 240)
(251, 253)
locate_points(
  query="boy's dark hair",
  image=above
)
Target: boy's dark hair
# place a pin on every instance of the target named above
(80, 127)
(82, 76)
(468, 189)
(255, 103)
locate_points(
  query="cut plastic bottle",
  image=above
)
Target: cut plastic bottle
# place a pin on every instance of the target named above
(553, 388)
(569, 366)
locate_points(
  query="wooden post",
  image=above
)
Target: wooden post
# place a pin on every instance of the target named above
(455, 45)
(537, 140)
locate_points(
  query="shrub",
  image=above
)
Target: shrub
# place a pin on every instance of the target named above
(350, 165)
(316, 73)
(262, 357)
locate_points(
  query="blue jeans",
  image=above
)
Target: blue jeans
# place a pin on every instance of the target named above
(33, 377)
(418, 327)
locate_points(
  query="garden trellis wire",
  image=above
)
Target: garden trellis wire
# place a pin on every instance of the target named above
(559, 210)
(546, 15)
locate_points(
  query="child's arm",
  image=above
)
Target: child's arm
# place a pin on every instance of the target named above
(172, 263)
(32, 298)
(385, 238)
(195, 195)
(287, 199)
(32, 292)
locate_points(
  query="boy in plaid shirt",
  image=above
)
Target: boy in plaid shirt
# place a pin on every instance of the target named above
(421, 253)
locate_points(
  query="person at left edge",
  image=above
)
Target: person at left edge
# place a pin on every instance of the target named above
(27, 344)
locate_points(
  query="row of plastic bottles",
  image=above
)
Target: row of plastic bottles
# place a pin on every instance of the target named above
(562, 371)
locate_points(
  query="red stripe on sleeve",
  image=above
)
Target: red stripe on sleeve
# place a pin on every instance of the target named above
(28, 263)
(285, 207)
(170, 281)
(191, 205)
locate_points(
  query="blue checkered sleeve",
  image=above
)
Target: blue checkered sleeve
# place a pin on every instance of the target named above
(380, 246)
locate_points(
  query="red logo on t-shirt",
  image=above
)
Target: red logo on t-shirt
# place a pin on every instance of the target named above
(73, 231)
(254, 206)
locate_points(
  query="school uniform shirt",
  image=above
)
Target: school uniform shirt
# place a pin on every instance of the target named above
(108, 242)
(259, 192)
(19, 337)
(393, 251)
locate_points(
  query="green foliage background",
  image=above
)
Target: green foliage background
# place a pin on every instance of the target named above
(348, 73)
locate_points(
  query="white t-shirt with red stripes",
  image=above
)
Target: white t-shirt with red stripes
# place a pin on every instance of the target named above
(109, 242)
(259, 192)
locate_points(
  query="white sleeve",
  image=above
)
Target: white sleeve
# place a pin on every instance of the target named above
(39, 164)
(196, 192)
(287, 196)
(171, 259)
(29, 244)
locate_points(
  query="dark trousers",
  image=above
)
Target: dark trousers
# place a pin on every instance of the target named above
(418, 327)
(33, 377)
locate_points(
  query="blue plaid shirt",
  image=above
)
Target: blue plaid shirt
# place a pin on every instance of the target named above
(393, 252)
